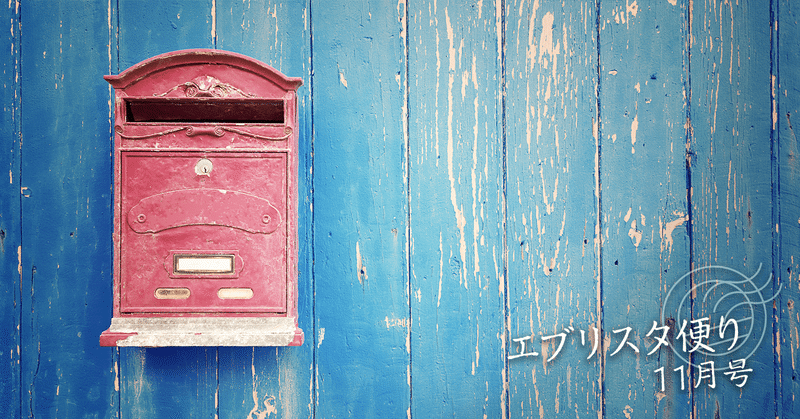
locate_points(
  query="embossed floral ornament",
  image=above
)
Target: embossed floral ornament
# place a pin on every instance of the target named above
(206, 86)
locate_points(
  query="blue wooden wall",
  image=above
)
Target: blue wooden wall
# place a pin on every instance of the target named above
(472, 173)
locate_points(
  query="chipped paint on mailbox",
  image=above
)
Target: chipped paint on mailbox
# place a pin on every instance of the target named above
(205, 203)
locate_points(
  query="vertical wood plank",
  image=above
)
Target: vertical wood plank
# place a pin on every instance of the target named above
(456, 199)
(786, 107)
(731, 196)
(168, 382)
(645, 250)
(66, 211)
(149, 28)
(165, 382)
(250, 384)
(360, 210)
(267, 381)
(553, 275)
(10, 237)
(275, 32)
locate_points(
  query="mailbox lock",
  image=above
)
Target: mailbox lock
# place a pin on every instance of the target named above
(266, 218)
(141, 218)
(203, 167)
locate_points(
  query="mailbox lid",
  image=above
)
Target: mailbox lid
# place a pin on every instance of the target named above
(204, 232)
(204, 99)
(168, 71)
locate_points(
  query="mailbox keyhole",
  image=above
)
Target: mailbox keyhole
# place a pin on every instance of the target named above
(203, 167)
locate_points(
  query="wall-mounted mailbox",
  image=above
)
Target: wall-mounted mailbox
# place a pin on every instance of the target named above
(205, 203)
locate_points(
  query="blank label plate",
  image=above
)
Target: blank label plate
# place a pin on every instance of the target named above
(204, 264)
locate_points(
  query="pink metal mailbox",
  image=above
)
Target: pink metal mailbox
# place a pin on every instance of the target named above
(205, 203)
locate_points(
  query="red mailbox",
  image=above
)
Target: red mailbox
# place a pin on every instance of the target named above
(205, 203)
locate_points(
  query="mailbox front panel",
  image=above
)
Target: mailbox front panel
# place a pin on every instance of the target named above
(203, 232)
(205, 203)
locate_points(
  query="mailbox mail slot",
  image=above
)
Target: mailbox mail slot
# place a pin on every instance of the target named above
(205, 203)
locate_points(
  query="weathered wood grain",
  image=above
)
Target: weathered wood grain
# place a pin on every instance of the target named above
(262, 382)
(65, 180)
(553, 265)
(361, 287)
(644, 210)
(149, 28)
(456, 209)
(786, 113)
(731, 194)
(10, 237)
(167, 382)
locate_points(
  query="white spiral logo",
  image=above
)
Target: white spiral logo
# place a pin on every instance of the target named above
(719, 294)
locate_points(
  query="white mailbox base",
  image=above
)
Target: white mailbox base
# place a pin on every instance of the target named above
(207, 331)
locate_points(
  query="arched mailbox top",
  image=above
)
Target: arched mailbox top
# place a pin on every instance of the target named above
(199, 62)
(205, 92)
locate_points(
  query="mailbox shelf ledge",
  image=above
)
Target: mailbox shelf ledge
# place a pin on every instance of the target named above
(209, 331)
